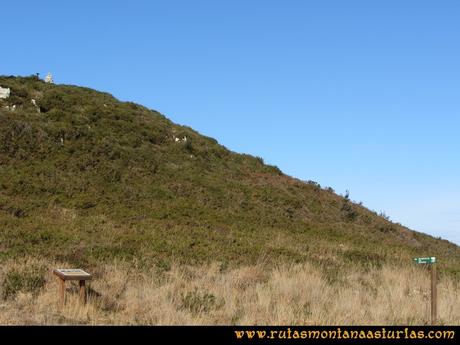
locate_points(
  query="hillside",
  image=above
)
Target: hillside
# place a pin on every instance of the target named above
(85, 178)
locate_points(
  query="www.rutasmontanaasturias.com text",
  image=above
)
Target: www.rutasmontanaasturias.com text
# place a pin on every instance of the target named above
(340, 333)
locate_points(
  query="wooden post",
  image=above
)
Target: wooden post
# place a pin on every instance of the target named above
(61, 292)
(82, 291)
(434, 295)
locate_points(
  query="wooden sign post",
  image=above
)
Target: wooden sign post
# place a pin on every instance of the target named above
(434, 292)
(72, 274)
(434, 295)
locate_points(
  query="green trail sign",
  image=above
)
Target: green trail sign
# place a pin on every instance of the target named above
(434, 282)
(430, 260)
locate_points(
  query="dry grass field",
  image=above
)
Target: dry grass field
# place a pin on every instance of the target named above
(209, 295)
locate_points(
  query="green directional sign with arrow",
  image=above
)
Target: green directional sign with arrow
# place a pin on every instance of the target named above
(430, 260)
(434, 282)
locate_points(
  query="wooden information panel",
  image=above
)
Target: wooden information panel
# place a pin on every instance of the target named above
(72, 274)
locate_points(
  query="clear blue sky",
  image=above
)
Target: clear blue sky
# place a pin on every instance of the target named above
(358, 95)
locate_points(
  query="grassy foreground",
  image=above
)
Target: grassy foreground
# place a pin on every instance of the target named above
(256, 294)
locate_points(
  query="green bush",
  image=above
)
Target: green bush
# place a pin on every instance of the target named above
(197, 302)
(29, 279)
(348, 211)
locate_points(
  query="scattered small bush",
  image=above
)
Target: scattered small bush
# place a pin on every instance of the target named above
(260, 160)
(348, 211)
(28, 279)
(197, 302)
(384, 216)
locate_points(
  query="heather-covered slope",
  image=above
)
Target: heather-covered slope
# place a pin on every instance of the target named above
(85, 178)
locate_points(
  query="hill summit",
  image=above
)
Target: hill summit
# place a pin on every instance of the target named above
(86, 178)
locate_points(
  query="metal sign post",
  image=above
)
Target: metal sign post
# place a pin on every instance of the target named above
(434, 292)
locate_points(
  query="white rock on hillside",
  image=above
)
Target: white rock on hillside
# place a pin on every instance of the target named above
(4, 93)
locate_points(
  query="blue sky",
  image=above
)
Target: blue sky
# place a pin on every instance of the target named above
(357, 95)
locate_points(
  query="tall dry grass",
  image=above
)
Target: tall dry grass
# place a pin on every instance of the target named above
(289, 294)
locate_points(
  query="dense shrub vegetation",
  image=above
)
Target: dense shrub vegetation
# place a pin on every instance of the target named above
(25, 278)
(85, 178)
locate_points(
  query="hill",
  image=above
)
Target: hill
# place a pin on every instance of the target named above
(85, 179)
